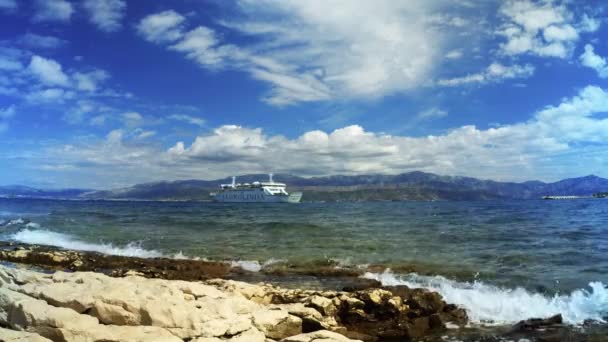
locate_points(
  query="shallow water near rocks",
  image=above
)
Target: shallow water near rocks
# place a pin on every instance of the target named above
(502, 260)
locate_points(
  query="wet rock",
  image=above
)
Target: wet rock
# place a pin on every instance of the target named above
(537, 323)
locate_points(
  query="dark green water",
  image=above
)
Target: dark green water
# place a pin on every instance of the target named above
(486, 250)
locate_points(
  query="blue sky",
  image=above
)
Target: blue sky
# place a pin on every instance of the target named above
(109, 93)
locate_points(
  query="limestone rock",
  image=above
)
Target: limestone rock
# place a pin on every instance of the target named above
(277, 324)
(319, 336)
(324, 305)
(20, 312)
(7, 335)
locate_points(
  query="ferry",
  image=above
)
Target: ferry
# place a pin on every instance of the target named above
(265, 192)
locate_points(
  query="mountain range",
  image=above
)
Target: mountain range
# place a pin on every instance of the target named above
(406, 186)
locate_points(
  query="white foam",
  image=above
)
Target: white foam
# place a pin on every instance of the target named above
(254, 265)
(488, 304)
(16, 221)
(32, 225)
(247, 265)
(46, 237)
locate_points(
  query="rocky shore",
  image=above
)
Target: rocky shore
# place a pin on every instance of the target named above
(131, 299)
(59, 295)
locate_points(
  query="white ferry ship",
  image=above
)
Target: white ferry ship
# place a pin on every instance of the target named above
(271, 192)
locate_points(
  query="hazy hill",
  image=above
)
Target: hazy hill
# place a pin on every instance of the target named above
(406, 186)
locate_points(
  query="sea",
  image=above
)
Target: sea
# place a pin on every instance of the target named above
(503, 261)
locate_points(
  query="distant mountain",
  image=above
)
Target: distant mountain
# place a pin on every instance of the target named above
(406, 186)
(29, 192)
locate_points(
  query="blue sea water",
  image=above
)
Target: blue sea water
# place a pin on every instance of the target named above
(502, 260)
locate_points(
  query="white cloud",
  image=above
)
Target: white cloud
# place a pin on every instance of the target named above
(162, 27)
(454, 54)
(8, 63)
(8, 4)
(496, 72)
(551, 145)
(77, 114)
(132, 118)
(188, 118)
(432, 113)
(48, 71)
(142, 134)
(98, 120)
(49, 95)
(8, 112)
(33, 40)
(106, 14)
(201, 45)
(52, 10)
(589, 24)
(315, 51)
(542, 28)
(590, 59)
(88, 81)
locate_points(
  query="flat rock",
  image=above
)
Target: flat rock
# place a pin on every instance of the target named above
(7, 335)
(319, 336)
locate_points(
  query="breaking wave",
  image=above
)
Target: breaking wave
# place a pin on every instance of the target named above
(488, 304)
(254, 265)
(46, 237)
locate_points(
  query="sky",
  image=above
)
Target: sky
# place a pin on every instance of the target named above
(109, 93)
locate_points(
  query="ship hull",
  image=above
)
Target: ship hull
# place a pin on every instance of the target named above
(246, 197)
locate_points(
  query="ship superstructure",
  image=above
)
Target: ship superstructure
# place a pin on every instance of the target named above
(270, 191)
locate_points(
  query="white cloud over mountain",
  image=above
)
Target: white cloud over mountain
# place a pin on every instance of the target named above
(568, 131)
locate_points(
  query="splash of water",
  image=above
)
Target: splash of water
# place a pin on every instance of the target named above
(488, 304)
(47, 237)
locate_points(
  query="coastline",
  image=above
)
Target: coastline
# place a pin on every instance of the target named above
(93, 286)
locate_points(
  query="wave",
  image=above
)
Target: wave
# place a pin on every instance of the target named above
(254, 265)
(132, 249)
(47, 237)
(488, 304)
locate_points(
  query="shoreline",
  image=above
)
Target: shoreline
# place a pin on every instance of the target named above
(385, 312)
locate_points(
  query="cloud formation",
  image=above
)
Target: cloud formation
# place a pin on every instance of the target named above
(495, 72)
(594, 61)
(541, 147)
(107, 15)
(37, 41)
(541, 28)
(161, 27)
(52, 10)
(48, 71)
(188, 119)
(312, 51)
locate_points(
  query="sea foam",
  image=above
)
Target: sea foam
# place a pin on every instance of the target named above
(488, 304)
(47, 237)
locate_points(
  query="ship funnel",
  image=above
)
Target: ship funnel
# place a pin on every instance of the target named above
(233, 181)
(270, 178)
